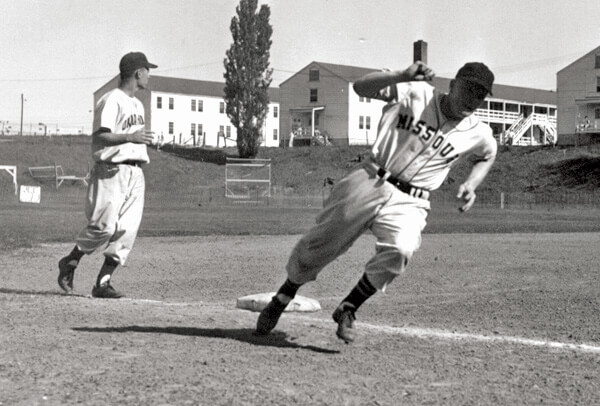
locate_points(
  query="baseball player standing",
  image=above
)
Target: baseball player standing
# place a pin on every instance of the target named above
(115, 198)
(421, 134)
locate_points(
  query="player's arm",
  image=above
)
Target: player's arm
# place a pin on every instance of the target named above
(370, 84)
(466, 191)
(104, 137)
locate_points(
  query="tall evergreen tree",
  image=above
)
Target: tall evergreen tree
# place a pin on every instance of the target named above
(247, 74)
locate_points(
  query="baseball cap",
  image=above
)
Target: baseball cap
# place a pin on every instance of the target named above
(477, 72)
(134, 60)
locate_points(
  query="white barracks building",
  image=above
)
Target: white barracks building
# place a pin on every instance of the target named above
(318, 106)
(192, 112)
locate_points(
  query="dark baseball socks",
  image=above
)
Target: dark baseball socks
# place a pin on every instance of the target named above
(108, 267)
(287, 291)
(360, 293)
(357, 296)
(73, 258)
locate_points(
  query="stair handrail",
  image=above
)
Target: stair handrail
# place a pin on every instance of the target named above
(521, 128)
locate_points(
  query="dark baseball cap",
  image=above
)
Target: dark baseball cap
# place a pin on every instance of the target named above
(134, 60)
(477, 72)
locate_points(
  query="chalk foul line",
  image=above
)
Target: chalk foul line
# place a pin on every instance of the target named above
(421, 332)
(450, 335)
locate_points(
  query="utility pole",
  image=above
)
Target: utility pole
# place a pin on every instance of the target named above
(22, 100)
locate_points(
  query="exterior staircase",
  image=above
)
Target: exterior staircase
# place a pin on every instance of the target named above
(518, 133)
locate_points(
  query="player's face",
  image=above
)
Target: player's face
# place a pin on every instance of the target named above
(142, 75)
(465, 97)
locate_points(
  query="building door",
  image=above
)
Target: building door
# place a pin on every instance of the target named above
(526, 110)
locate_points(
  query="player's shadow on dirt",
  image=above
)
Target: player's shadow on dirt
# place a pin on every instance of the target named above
(275, 339)
(34, 292)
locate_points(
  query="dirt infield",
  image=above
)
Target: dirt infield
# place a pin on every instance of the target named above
(478, 319)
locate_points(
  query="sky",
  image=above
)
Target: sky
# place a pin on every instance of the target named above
(56, 53)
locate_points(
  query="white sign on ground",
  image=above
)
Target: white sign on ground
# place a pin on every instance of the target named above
(30, 194)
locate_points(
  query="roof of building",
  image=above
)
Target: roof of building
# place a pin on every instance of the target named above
(515, 93)
(595, 50)
(187, 86)
(345, 72)
(196, 87)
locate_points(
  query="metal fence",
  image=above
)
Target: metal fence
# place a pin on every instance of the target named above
(206, 196)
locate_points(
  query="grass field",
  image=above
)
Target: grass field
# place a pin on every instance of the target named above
(499, 306)
(185, 189)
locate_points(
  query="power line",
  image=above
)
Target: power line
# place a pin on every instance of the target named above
(55, 79)
(101, 77)
(505, 69)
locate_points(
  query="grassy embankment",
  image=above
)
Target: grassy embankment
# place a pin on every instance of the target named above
(182, 174)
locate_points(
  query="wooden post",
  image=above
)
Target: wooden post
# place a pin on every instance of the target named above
(56, 175)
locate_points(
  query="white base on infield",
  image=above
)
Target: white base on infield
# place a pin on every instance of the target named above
(258, 301)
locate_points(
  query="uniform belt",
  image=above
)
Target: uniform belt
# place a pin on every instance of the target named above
(403, 186)
(132, 163)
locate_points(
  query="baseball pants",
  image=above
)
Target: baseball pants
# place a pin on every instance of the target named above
(362, 201)
(114, 207)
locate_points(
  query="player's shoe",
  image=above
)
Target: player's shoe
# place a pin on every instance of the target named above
(269, 316)
(66, 274)
(344, 316)
(105, 291)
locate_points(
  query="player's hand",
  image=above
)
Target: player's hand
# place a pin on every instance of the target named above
(466, 193)
(142, 137)
(419, 71)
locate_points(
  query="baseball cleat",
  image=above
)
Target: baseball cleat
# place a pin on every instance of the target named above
(269, 316)
(66, 273)
(344, 317)
(105, 291)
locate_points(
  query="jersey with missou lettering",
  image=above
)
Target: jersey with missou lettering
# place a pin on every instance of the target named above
(121, 114)
(417, 144)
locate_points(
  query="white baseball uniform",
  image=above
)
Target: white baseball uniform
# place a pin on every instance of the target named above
(115, 200)
(417, 145)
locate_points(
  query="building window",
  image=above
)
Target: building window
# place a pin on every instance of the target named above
(221, 130)
(598, 61)
(497, 106)
(368, 100)
(193, 105)
(275, 111)
(170, 127)
(361, 99)
(368, 125)
(275, 134)
(200, 131)
(597, 113)
(540, 110)
(222, 107)
(598, 84)
(228, 129)
(159, 102)
(193, 129)
(511, 107)
(314, 95)
(200, 105)
(552, 111)
(171, 103)
(361, 122)
(313, 75)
